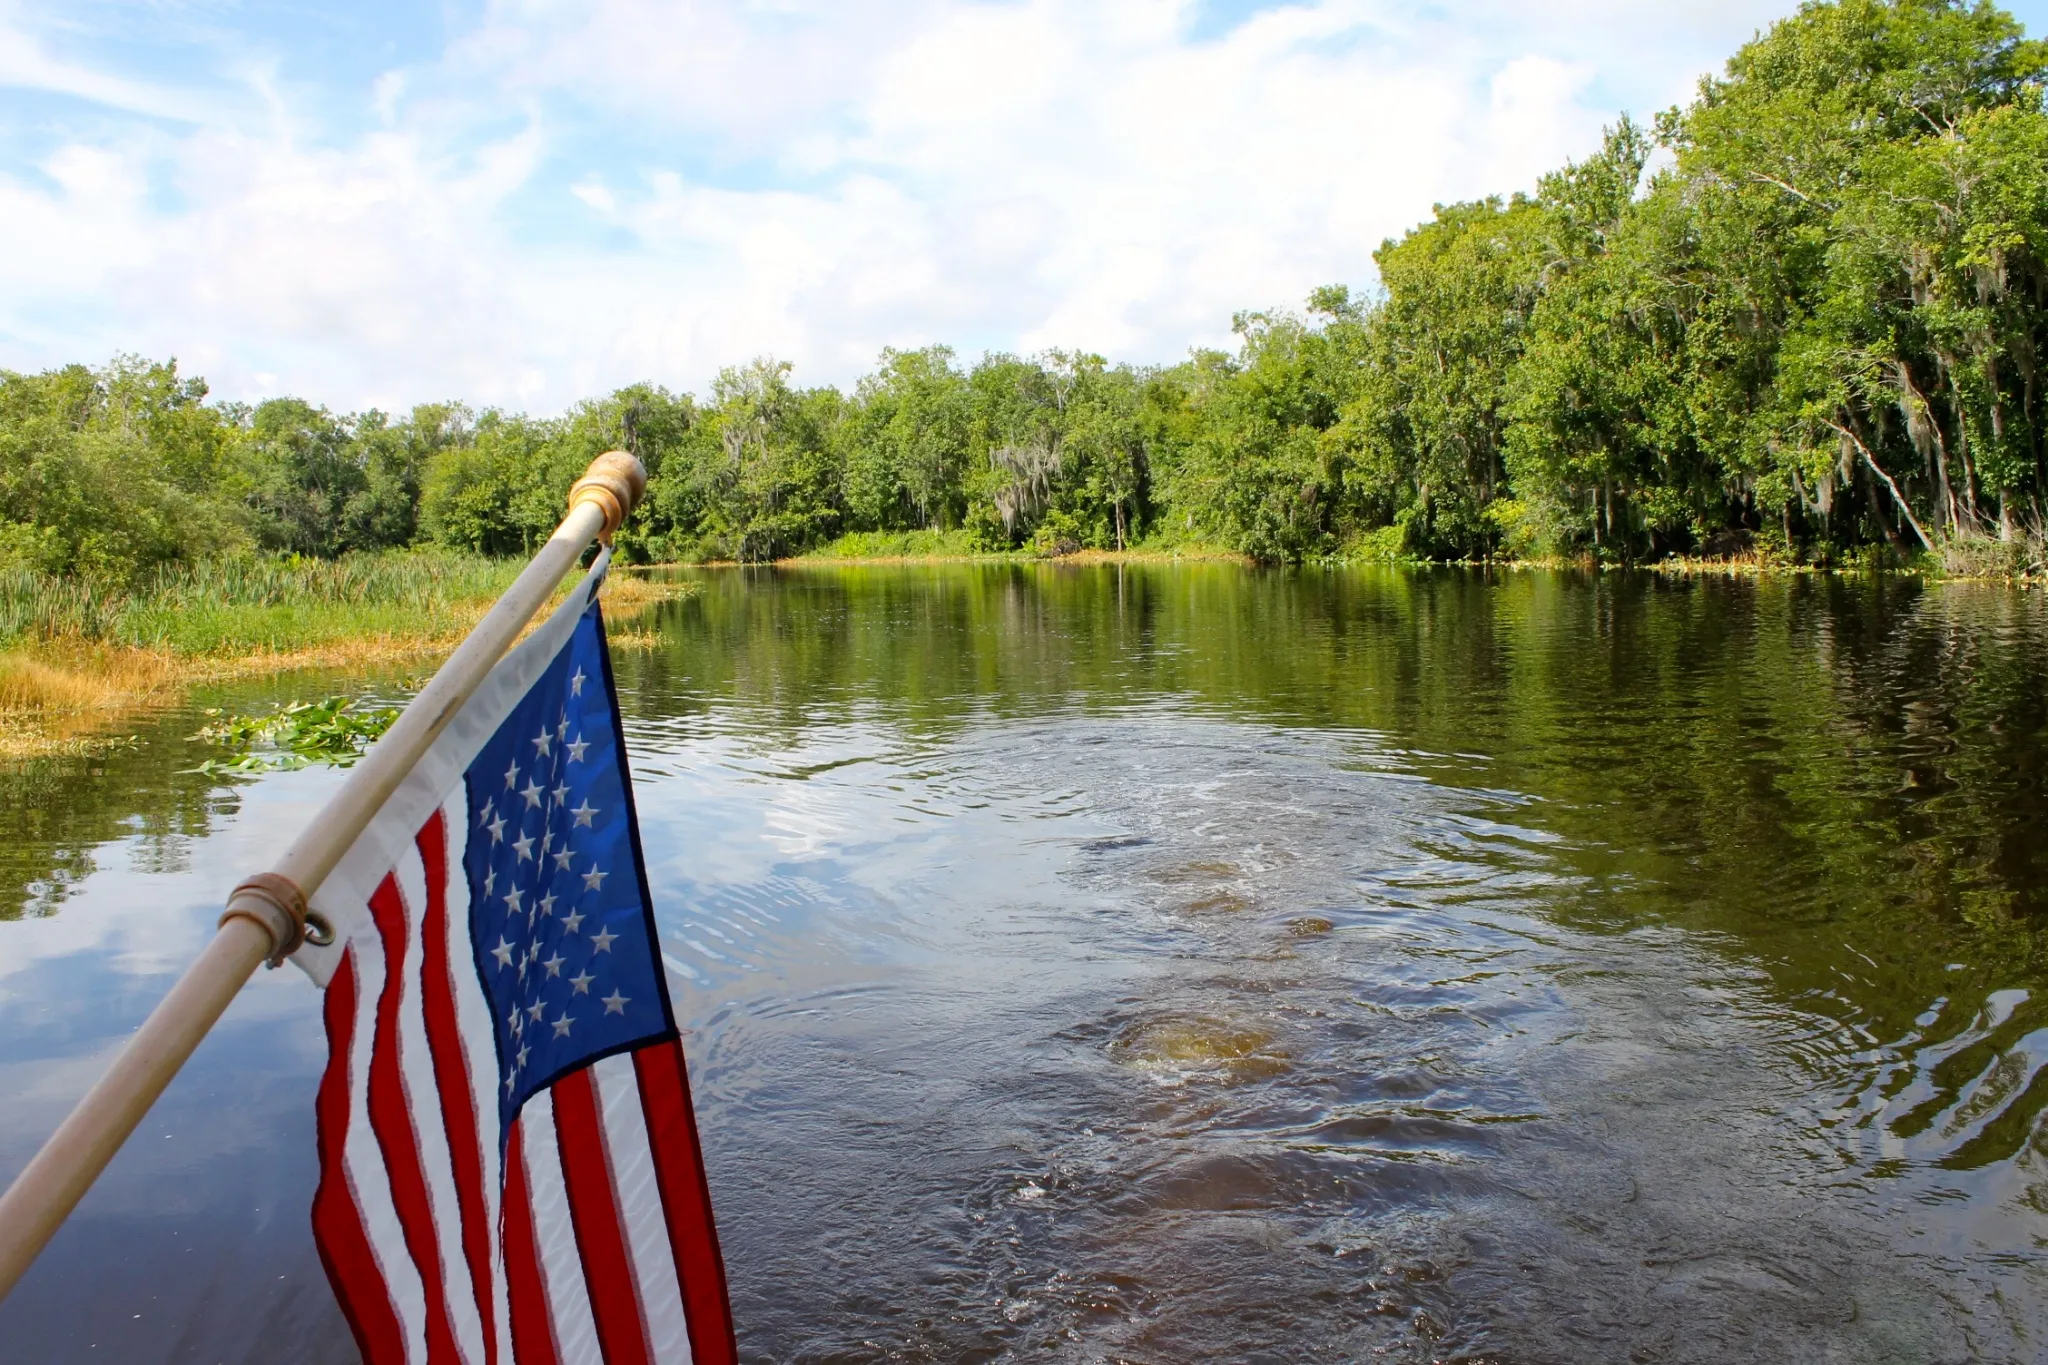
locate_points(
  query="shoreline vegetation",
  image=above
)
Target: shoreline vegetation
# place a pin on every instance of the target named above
(77, 659)
(76, 663)
(934, 547)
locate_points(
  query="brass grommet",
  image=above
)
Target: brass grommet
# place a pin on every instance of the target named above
(276, 904)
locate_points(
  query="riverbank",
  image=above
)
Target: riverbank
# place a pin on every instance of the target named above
(78, 659)
(1181, 556)
(1967, 563)
(959, 547)
(1971, 558)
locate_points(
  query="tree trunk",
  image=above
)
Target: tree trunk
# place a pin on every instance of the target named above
(1891, 533)
(1972, 492)
(1899, 498)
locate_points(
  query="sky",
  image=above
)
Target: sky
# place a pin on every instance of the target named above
(522, 203)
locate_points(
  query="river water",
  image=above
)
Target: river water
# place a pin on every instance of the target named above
(1165, 964)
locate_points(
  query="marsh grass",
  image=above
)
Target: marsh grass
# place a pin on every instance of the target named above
(627, 594)
(244, 605)
(75, 656)
(1966, 556)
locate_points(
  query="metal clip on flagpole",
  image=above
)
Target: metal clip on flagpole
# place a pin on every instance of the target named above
(265, 919)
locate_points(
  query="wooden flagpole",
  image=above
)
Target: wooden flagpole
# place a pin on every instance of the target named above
(265, 918)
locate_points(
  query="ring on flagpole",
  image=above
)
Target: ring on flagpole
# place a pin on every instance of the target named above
(275, 903)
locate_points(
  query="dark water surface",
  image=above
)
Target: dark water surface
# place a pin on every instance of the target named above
(1174, 964)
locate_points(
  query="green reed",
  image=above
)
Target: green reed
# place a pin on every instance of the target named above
(246, 604)
(37, 606)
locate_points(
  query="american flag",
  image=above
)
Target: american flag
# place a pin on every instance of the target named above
(509, 1165)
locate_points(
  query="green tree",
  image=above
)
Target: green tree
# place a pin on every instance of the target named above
(757, 478)
(108, 472)
(1426, 429)
(905, 443)
(1851, 174)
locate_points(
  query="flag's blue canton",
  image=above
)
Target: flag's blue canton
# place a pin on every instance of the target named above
(564, 940)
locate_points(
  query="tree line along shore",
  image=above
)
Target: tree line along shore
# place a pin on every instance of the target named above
(1799, 319)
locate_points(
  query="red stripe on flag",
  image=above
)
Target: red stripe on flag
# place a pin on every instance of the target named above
(526, 1292)
(686, 1201)
(594, 1210)
(337, 1223)
(391, 1121)
(451, 1075)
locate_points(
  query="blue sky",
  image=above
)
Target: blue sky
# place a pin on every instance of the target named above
(525, 202)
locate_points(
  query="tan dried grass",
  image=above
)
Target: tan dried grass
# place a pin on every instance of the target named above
(627, 595)
(62, 700)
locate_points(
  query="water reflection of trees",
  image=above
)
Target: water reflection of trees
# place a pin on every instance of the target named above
(60, 812)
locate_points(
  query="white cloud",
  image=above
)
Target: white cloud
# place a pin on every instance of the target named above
(815, 181)
(26, 64)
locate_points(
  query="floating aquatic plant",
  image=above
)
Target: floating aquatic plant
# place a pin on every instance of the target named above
(331, 731)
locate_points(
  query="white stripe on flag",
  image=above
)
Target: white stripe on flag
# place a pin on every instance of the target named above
(561, 1264)
(368, 1181)
(473, 1023)
(639, 1201)
(428, 1126)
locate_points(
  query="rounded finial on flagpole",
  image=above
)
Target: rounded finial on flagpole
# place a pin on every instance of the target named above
(614, 481)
